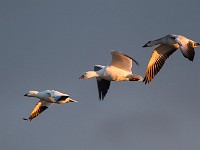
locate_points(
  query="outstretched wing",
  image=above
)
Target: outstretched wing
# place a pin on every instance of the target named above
(122, 61)
(103, 85)
(38, 109)
(157, 60)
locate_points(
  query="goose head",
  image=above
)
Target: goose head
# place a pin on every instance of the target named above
(31, 93)
(149, 44)
(89, 74)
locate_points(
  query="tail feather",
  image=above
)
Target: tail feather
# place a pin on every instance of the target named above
(71, 100)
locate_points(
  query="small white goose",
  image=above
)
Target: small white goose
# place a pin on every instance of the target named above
(168, 45)
(47, 98)
(118, 70)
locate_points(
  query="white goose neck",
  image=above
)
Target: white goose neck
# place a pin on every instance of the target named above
(33, 94)
(92, 74)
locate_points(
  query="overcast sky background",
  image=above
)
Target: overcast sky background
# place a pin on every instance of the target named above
(49, 44)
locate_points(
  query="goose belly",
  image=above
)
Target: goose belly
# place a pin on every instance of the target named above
(48, 99)
(115, 74)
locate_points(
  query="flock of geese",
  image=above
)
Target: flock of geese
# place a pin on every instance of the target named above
(120, 69)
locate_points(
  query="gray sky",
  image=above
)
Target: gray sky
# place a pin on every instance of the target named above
(49, 44)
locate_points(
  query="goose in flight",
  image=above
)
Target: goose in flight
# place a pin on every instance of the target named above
(168, 45)
(47, 98)
(118, 70)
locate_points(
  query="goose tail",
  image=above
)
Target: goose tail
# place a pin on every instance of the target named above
(196, 44)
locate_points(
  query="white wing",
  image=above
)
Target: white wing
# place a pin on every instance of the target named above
(122, 61)
(186, 47)
(57, 93)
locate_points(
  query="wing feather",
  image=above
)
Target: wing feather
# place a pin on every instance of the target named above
(38, 109)
(157, 60)
(122, 61)
(98, 67)
(103, 85)
(186, 47)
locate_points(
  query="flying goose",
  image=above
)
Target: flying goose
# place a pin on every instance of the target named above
(168, 45)
(47, 98)
(118, 70)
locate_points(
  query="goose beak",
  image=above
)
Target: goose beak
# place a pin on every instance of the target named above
(145, 45)
(82, 77)
(25, 94)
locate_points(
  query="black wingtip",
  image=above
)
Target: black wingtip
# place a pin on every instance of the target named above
(101, 96)
(191, 58)
(145, 80)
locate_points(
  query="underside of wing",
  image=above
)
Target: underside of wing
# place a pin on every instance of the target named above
(38, 109)
(122, 61)
(158, 58)
(103, 86)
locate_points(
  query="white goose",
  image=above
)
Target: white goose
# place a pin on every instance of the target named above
(168, 45)
(47, 98)
(118, 70)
